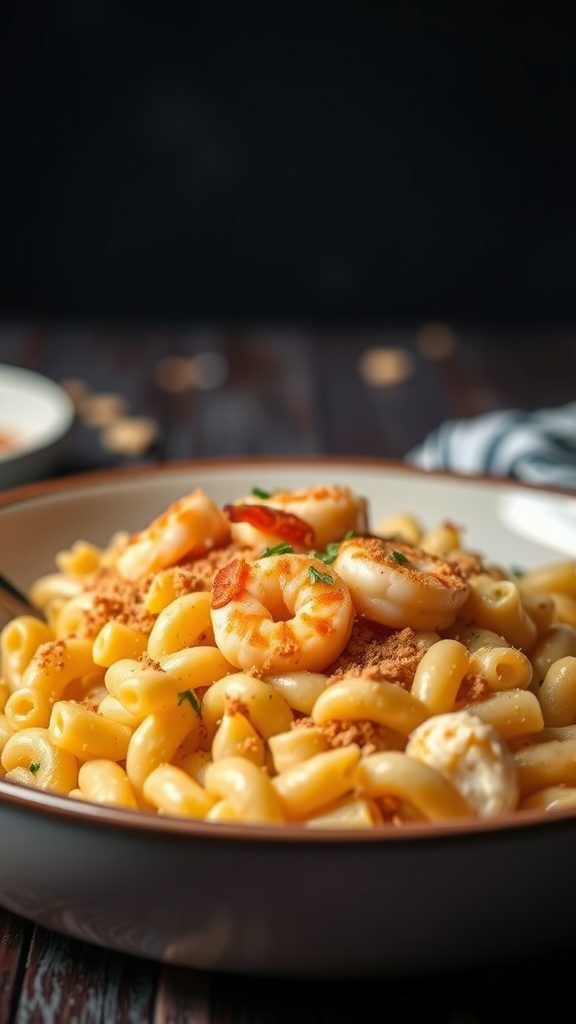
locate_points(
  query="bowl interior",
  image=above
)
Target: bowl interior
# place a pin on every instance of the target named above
(502, 520)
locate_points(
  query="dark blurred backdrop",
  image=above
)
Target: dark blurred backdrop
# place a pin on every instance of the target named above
(183, 161)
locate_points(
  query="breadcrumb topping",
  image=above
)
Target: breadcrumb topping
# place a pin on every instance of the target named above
(113, 597)
(374, 652)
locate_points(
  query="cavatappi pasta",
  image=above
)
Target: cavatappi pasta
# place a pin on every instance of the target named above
(284, 660)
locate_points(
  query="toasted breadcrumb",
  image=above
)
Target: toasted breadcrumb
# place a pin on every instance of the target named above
(197, 573)
(472, 688)
(467, 563)
(375, 653)
(148, 662)
(235, 706)
(50, 655)
(369, 736)
(115, 597)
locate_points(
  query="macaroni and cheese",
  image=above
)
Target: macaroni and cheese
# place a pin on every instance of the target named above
(283, 659)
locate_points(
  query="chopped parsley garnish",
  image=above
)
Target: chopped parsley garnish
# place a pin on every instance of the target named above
(399, 557)
(283, 548)
(259, 493)
(319, 577)
(191, 698)
(35, 767)
(329, 555)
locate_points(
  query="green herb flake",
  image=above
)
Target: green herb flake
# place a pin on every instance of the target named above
(259, 493)
(329, 555)
(35, 767)
(283, 548)
(316, 576)
(399, 557)
(192, 699)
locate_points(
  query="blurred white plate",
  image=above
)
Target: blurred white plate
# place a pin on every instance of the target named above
(36, 413)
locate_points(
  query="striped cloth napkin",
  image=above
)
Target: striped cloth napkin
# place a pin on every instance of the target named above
(535, 447)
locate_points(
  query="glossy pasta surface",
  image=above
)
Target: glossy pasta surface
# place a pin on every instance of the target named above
(285, 660)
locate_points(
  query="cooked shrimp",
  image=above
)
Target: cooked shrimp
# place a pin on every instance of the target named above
(281, 613)
(398, 585)
(189, 527)
(308, 517)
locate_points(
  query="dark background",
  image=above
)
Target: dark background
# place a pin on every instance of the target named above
(182, 161)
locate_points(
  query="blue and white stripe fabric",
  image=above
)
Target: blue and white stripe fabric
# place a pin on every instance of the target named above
(535, 447)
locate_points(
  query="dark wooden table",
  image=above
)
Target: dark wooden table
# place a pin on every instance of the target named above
(370, 390)
(159, 394)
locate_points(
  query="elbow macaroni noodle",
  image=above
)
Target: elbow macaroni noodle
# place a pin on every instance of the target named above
(281, 660)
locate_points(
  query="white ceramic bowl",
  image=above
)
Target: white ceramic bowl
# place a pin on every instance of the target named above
(36, 414)
(282, 900)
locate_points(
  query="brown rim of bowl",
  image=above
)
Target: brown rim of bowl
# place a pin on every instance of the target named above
(54, 805)
(70, 481)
